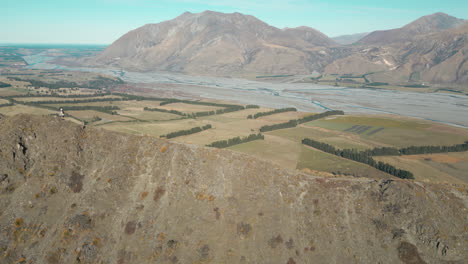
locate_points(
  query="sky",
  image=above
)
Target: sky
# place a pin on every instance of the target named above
(104, 21)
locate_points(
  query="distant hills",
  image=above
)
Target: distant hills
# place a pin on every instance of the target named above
(349, 39)
(425, 25)
(430, 49)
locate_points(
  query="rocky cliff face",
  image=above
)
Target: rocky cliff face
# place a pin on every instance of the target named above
(83, 195)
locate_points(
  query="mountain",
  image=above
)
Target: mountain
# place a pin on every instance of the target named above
(349, 39)
(437, 56)
(430, 49)
(310, 35)
(218, 44)
(74, 194)
(425, 25)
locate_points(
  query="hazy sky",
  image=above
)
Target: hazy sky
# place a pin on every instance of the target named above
(103, 21)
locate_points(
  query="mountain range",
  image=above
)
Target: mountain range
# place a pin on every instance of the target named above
(431, 49)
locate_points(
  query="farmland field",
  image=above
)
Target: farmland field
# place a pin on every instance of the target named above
(189, 108)
(444, 167)
(318, 160)
(22, 109)
(398, 132)
(282, 146)
(88, 115)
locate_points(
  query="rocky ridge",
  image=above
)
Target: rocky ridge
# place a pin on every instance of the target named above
(73, 194)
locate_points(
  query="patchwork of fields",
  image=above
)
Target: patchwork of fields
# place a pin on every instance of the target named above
(148, 116)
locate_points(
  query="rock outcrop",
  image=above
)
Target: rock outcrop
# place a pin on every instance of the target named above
(71, 194)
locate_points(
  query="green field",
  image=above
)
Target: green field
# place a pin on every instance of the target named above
(443, 167)
(318, 160)
(396, 132)
(292, 154)
(296, 134)
(281, 151)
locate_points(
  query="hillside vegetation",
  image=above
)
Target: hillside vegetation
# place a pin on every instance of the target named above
(71, 194)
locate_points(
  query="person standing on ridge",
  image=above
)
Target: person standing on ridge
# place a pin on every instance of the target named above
(61, 113)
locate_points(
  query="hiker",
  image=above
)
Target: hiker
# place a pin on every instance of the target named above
(61, 113)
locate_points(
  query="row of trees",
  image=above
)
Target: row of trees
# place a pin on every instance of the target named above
(172, 100)
(295, 122)
(175, 112)
(198, 114)
(319, 116)
(105, 109)
(289, 124)
(226, 108)
(98, 83)
(414, 150)
(251, 106)
(276, 111)
(62, 96)
(93, 100)
(359, 156)
(235, 141)
(140, 98)
(4, 85)
(187, 131)
(7, 104)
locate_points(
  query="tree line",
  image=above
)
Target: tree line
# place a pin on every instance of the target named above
(251, 106)
(359, 156)
(319, 116)
(235, 141)
(276, 111)
(187, 131)
(172, 100)
(198, 114)
(295, 122)
(105, 109)
(99, 83)
(175, 112)
(60, 96)
(141, 98)
(7, 104)
(4, 85)
(94, 100)
(414, 150)
(289, 124)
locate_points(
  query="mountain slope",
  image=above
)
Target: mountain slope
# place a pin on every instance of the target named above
(219, 44)
(437, 56)
(349, 39)
(84, 195)
(430, 49)
(427, 24)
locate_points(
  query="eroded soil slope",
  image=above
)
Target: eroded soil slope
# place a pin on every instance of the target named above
(83, 195)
